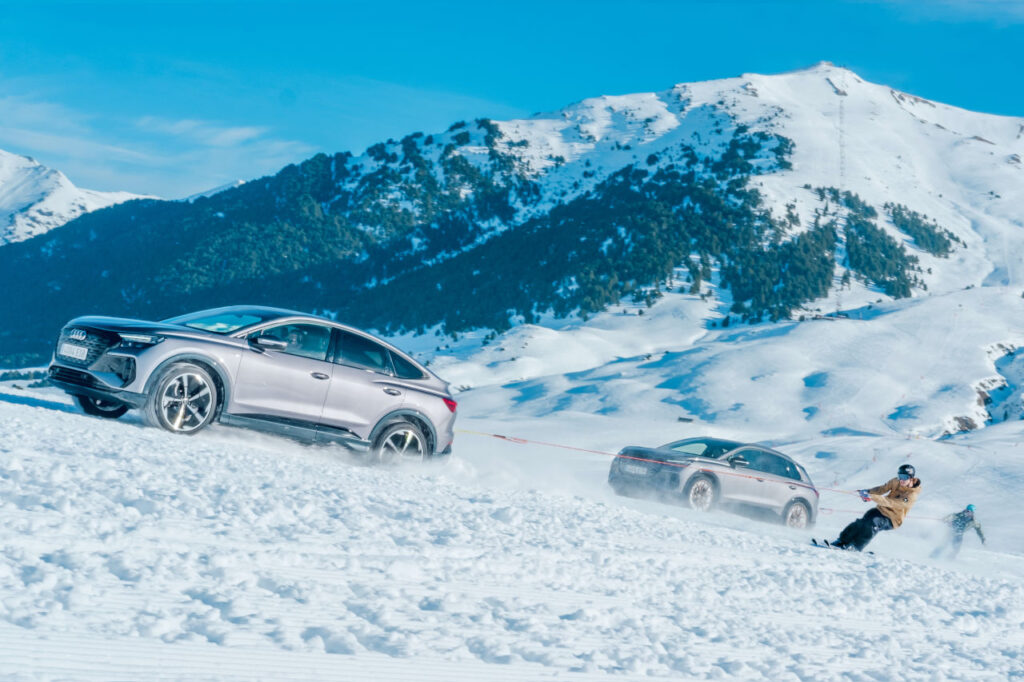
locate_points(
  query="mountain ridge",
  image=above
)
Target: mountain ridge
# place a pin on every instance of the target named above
(757, 183)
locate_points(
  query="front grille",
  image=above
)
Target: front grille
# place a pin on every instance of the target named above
(71, 376)
(95, 340)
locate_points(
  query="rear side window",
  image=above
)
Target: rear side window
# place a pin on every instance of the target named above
(405, 369)
(359, 351)
(789, 470)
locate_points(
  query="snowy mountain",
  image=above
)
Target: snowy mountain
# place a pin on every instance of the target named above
(789, 194)
(35, 199)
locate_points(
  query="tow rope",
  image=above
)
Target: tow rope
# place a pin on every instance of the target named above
(527, 441)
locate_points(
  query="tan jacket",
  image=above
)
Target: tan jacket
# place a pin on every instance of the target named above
(894, 501)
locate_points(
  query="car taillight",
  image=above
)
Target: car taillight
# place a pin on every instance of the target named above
(450, 403)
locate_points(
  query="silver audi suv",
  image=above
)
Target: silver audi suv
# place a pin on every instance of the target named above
(278, 370)
(710, 472)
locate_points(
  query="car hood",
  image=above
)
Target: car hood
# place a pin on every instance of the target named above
(121, 324)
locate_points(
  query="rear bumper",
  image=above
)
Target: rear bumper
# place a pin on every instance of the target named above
(77, 382)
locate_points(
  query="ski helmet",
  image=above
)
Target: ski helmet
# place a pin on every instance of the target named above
(970, 508)
(906, 471)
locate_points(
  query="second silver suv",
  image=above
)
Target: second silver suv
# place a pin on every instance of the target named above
(705, 473)
(279, 370)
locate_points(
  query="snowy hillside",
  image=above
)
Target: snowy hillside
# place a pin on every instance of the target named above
(131, 553)
(35, 199)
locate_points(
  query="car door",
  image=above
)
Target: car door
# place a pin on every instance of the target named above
(771, 490)
(286, 385)
(786, 482)
(363, 389)
(740, 484)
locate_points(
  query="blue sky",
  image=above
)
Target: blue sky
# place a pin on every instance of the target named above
(171, 98)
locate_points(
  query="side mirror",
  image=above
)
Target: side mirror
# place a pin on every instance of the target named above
(267, 343)
(738, 461)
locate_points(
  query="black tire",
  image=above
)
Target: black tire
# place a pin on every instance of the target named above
(108, 409)
(183, 399)
(701, 493)
(797, 515)
(401, 441)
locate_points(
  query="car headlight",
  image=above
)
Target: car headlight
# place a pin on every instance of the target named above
(139, 340)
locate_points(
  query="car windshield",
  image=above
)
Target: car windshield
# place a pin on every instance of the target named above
(700, 447)
(221, 321)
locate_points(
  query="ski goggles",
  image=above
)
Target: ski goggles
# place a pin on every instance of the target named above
(904, 477)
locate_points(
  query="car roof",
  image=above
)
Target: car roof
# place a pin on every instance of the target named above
(719, 442)
(282, 313)
(730, 445)
(260, 310)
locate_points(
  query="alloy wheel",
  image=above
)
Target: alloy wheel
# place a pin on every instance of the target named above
(402, 444)
(702, 494)
(186, 402)
(796, 516)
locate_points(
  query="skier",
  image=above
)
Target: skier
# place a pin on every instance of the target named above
(894, 500)
(959, 524)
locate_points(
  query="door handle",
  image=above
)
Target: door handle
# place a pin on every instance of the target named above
(792, 487)
(320, 375)
(392, 391)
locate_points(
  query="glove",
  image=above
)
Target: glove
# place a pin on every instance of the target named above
(864, 495)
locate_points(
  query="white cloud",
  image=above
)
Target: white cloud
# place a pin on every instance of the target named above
(202, 132)
(149, 155)
(1000, 11)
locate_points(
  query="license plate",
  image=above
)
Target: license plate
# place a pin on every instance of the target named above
(71, 350)
(635, 469)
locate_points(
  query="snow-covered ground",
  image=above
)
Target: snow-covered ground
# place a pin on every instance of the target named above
(130, 553)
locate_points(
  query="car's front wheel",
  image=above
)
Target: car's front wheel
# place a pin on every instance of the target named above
(183, 400)
(701, 493)
(796, 515)
(108, 409)
(400, 442)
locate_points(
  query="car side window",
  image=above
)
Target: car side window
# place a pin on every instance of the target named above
(775, 465)
(405, 369)
(763, 462)
(788, 470)
(753, 457)
(305, 340)
(358, 351)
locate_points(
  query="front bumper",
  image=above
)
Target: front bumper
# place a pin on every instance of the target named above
(77, 382)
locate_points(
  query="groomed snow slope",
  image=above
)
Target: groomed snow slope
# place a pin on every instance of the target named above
(131, 553)
(35, 199)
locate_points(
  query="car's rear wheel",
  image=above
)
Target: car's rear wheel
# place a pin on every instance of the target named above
(796, 515)
(701, 493)
(108, 409)
(400, 442)
(184, 399)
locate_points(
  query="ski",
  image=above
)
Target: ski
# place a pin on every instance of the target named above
(825, 544)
